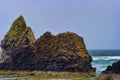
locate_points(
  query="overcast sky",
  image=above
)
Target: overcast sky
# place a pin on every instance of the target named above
(97, 21)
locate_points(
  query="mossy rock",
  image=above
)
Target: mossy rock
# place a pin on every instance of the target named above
(18, 34)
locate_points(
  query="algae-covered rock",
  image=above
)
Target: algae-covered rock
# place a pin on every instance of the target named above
(64, 52)
(19, 33)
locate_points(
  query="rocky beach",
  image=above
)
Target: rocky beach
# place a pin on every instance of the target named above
(61, 56)
(59, 40)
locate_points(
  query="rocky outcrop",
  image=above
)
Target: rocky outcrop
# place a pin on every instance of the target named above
(63, 52)
(115, 68)
(111, 73)
(18, 34)
(21, 58)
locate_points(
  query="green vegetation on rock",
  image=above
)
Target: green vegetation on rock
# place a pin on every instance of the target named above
(19, 33)
(52, 56)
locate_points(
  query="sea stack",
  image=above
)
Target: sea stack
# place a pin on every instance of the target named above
(65, 52)
(18, 34)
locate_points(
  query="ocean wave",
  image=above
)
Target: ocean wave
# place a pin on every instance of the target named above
(105, 58)
(101, 62)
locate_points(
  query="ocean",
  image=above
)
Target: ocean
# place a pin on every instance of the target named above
(103, 58)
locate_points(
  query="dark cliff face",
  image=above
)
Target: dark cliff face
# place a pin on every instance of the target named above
(63, 52)
(18, 34)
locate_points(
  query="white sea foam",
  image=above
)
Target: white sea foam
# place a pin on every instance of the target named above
(101, 62)
(107, 58)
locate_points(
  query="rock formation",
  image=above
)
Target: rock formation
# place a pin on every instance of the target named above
(115, 68)
(111, 73)
(63, 52)
(18, 34)
(21, 58)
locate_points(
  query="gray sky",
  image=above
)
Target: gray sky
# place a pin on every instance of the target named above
(98, 21)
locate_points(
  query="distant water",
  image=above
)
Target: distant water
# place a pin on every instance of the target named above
(103, 58)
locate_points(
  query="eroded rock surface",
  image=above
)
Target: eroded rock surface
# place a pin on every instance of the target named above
(63, 52)
(18, 34)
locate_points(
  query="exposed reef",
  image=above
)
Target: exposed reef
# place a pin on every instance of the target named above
(63, 52)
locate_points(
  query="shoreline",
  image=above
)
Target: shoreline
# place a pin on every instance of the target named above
(48, 74)
(111, 76)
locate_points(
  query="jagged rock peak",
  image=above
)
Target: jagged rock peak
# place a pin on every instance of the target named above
(18, 34)
(19, 23)
(48, 34)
